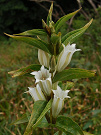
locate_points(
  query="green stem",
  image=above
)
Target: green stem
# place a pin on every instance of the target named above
(51, 120)
(52, 131)
(55, 50)
(47, 117)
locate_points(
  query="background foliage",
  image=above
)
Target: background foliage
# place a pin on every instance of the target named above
(85, 103)
(20, 15)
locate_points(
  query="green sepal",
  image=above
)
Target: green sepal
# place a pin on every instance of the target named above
(23, 119)
(63, 19)
(25, 70)
(49, 17)
(73, 73)
(68, 126)
(36, 112)
(33, 32)
(72, 36)
(32, 41)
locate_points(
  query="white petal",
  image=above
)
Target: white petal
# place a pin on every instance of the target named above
(59, 93)
(57, 106)
(65, 56)
(36, 93)
(41, 75)
(46, 86)
(33, 93)
(78, 49)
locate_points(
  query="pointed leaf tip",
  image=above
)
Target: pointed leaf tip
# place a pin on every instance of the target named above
(73, 35)
(25, 70)
(65, 18)
(40, 44)
(73, 73)
(49, 17)
(7, 34)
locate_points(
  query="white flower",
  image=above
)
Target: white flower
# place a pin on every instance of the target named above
(58, 100)
(43, 78)
(65, 56)
(43, 57)
(36, 93)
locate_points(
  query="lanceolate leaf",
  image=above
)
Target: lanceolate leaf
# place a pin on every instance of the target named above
(63, 19)
(25, 70)
(73, 73)
(48, 106)
(68, 126)
(33, 32)
(69, 34)
(24, 118)
(37, 110)
(32, 41)
(72, 36)
(43, 123)
(49, 17)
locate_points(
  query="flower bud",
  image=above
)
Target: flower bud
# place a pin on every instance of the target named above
(44, 58)
(51, 26)
(46, 86)
(65, 56)
(45, 26)
(52, 64)
(58, 101)
(36, 93)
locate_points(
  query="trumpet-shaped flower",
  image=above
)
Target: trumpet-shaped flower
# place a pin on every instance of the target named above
(36, 93)
(43, 57)
(43, 78)
(58, 100)
(65, 56)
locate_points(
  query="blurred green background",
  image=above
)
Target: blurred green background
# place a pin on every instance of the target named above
(19, 15)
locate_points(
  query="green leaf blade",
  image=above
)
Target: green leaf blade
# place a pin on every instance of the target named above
(69, 34)
(24, 118)
(63, 19)
(37, 109)
(48, 106)
(33, 32)
(49, 17)
(73, 73)
(72, 36)
(68, 126)
(25, 70)
(32, 41)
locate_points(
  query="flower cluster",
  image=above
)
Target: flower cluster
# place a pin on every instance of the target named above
(43, 78)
